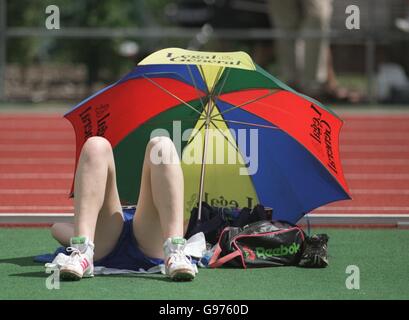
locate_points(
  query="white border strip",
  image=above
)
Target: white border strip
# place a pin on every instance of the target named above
(356, 219)
(315, 219)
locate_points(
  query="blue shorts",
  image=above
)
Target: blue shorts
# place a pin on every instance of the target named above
(126, 254)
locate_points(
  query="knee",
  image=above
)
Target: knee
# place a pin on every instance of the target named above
(52, 230)
(96, 147)
(55, 231)
(162, 150)
(161, 142)
(62, 232)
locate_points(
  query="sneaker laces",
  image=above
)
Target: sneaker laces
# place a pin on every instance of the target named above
(179, 256)
(75, 253)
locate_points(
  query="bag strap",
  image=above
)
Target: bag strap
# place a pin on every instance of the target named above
(215, 255)
(218, 249)
(215, 262)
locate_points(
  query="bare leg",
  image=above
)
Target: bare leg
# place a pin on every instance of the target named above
(159, 212)
(98, 212)
(62, 232)
(160, 205)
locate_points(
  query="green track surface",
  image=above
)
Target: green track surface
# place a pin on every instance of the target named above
(381, 255)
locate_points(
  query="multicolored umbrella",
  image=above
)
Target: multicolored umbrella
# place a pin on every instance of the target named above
(277, 147)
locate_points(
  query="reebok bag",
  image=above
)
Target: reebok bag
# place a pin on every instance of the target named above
(260, 244)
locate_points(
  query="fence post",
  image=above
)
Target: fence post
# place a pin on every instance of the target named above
(370, 51)
(370, 55)
(3, 42)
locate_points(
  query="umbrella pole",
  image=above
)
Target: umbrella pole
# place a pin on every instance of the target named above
(202, 172)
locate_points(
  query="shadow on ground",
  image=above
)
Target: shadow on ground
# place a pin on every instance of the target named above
(43, 274)
(36, 274)
(20, 261)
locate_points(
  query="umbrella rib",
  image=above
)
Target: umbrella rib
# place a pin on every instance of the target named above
(171, 94)
(196, 87)
(225, 137)
(205, 81)
(216, 79)
(195, 134)
(248, 102)
(248, 124)
(212, 92)
(224, 82)
(154, 123)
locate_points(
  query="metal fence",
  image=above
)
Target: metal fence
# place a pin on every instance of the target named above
(376, 21)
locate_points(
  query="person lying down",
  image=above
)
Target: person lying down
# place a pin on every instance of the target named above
(103, 235)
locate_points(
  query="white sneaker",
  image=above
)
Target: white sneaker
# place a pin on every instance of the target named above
(178, 266)
(80, 263)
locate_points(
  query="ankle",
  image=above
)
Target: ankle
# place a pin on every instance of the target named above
(83, 244)
(173, 244)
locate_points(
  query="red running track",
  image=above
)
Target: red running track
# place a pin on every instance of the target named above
(37, 163)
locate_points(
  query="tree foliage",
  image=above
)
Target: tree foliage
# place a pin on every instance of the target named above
(99, 55)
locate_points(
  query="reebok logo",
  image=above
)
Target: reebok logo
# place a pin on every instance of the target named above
(249, 254)
(263, 253)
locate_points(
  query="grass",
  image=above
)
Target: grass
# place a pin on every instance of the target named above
(381, 256)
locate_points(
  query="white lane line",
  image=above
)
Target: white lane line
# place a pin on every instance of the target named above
(37, 147)
(381, 122)
(34, 208)
(377, 176)
(37, 135)
(373, 113)
(381, 191)
(29, 120)
(349, 219)
(64, 191)
(396, 127)
(51, 125)
(33, 191)
(52, 130)
(375, 162)
(350, 136)
(375, 148)
(36, 176)
(363, 209)
(351, 176)
(24, 114)
(41, 161)
(314, 218)
(71, 147)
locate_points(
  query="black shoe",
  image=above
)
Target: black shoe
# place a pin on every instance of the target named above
(315, 253)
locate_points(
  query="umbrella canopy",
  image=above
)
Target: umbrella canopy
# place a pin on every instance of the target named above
(254, 139)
